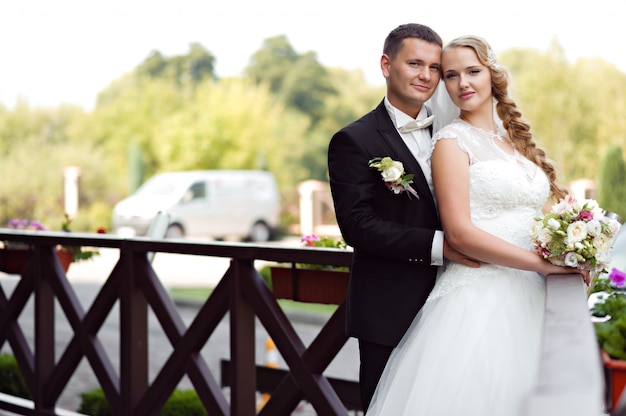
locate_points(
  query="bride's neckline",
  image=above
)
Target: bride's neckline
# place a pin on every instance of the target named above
(499, 135)
(528, 167)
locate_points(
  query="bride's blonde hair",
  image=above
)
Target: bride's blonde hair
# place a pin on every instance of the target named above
(517, 128)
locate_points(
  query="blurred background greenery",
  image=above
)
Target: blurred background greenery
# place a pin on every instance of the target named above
(173, 113)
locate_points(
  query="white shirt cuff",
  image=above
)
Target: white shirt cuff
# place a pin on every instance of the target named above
(436, 255)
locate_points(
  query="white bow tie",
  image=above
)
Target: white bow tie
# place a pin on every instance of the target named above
(417, 124)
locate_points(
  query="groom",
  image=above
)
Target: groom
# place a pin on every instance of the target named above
(397, 238)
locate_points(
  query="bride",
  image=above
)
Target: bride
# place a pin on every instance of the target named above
(473, 349)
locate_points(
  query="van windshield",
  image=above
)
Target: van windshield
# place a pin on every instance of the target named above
(157, 187)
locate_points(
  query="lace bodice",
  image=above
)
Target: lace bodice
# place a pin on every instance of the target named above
(506, 194)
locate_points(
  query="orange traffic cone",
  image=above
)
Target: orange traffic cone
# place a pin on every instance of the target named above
(271, 354)
(271, 361)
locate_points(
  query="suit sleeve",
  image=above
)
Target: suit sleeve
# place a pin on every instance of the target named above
(371, 218)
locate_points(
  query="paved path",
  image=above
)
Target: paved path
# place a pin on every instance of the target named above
(87, 278)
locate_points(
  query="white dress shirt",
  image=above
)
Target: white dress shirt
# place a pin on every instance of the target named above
(420, 144)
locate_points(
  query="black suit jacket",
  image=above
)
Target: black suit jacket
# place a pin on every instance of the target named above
(391, 234)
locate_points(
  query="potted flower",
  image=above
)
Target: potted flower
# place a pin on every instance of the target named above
(312, 283)
(313, 240)
(14, 256)
(609, 309)
(79, 253)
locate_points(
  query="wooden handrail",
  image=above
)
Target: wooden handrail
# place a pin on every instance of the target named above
(241, 251)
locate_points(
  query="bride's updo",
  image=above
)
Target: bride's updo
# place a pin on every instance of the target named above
(517, 128)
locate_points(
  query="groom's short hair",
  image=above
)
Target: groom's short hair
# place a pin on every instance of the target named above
(394, 39)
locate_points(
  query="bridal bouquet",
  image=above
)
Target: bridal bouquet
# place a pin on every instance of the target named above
(576, 234)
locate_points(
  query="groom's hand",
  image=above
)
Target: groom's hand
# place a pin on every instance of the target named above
(456, 256)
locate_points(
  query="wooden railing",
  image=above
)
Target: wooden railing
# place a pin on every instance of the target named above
(570, 379)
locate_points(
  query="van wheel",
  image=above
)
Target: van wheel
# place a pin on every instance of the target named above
(260, 232)
(174, 231)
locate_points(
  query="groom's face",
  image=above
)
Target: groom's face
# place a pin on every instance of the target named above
(412, 75)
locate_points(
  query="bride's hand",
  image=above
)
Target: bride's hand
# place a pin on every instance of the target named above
(456, 256)
(586, 276)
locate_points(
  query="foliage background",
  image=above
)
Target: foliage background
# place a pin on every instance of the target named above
(172, 113)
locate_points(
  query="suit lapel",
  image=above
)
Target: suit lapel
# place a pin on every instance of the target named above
(401, 152)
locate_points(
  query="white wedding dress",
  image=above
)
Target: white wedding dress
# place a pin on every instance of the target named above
(473, 349)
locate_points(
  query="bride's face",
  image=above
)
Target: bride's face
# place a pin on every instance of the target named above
(467, 80)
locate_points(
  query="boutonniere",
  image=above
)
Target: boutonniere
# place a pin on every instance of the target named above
(393, 175)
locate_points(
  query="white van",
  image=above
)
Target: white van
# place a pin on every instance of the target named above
(241, 204)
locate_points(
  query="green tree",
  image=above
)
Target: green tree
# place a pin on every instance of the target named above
(35, 190)
(131, 108)
(306, 86)
(39, 194)
(233, 124)
(574, 108)
(195, 66)
(300, 80)
(183, 72)
(134, 116)
(603, 89)
(539, 82)
(153, 66)
(270, 63)
(354, 98)
(46, 126)
(612, 183)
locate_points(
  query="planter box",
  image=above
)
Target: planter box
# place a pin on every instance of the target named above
(310, 285)
(615, 371)
(15, 259)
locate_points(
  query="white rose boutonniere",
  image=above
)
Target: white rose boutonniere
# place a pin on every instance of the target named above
(394, 177)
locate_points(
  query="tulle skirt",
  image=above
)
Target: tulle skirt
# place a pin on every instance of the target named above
(472, 350)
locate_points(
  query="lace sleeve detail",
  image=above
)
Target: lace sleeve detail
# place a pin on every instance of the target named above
(452, 133)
